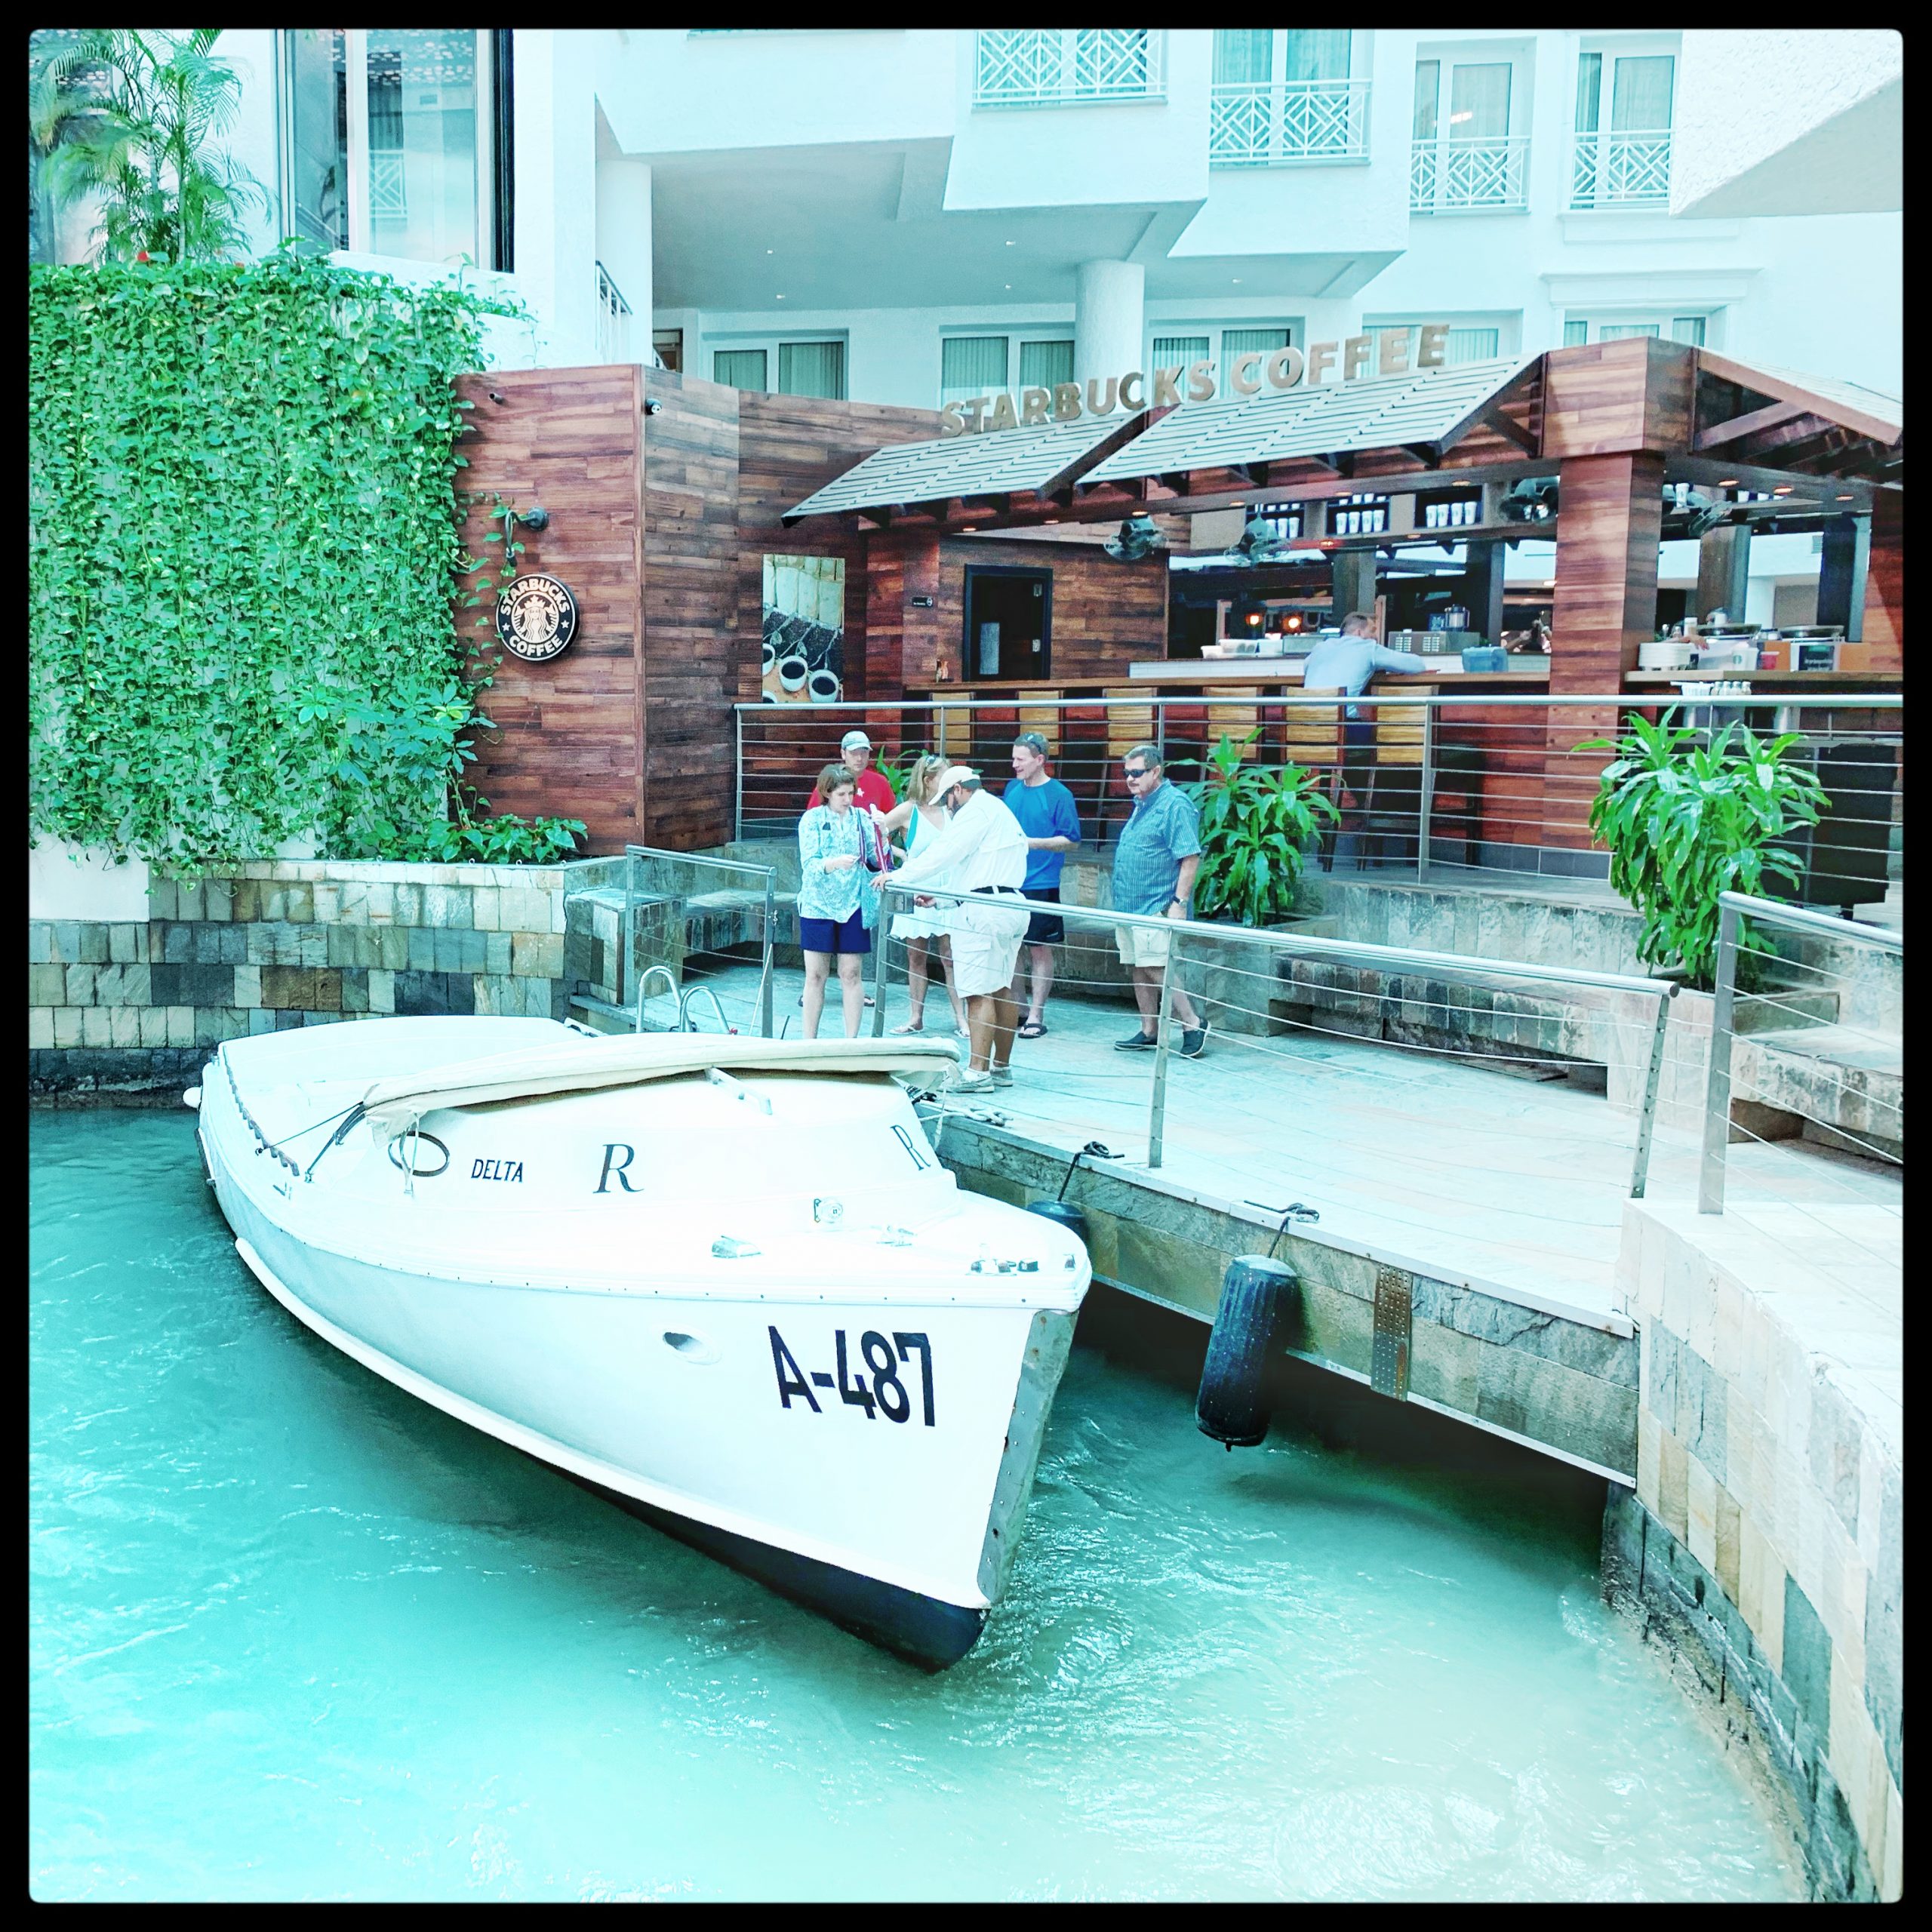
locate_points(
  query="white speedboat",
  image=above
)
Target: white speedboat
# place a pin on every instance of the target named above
(725, 1280)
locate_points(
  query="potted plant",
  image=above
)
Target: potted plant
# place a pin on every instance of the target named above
(1684, 819)
(1258, 825)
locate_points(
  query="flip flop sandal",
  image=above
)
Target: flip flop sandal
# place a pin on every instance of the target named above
(909, 1027)
(1032, 1030)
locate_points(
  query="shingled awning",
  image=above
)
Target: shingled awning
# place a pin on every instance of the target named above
(1782, 419)
(993, 468)
(1425, 412)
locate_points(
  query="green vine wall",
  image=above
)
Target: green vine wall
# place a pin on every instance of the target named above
(243, 553)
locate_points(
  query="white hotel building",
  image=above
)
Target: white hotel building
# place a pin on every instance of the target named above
(910, 216)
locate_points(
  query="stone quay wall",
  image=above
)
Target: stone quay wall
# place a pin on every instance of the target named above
(126, 1005)
(1763, 1545)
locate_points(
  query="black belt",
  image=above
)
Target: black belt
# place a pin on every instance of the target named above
(1018, 892)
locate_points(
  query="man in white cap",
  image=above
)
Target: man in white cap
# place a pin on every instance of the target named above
(873, 788)
(983, 851)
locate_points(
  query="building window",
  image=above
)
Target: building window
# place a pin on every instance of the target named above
(1578, 330)
(1628, 164)
(1462, 157)
(1284, 94)
(972, 365)
(668, 346)
(1067, 66)
(1480, 341)
(813, 368)
(389, 142)
(1210, 342)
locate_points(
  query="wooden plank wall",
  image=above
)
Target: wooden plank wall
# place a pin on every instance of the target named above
(690, 647)
(1106, 616)
(1881, 650)
(567, 742)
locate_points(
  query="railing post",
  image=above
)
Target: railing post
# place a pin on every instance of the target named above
(881, 938)
(1157, 1117)
(738, 785)
(1717, 1090)
(1160, 731)
(764, 983)
(1428, 789)
(1646, 1114)
(624, 940)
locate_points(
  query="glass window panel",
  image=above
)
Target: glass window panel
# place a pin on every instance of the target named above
(1687, 329)
(1043, 364)
(1472, 345)
(1620, 331)
(812, 368)
(1316, 53)
(1169, 349)
(1242, 53)
(1479, 102)
(738, 368)
(670, 344)
(971, 365)
(1428, 86)
(1589, 91)
(1575, 334)
(319, 136)
(423, 127)
(1241, 342)
(1639, 97)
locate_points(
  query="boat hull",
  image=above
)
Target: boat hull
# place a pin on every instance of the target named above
(728, 1413)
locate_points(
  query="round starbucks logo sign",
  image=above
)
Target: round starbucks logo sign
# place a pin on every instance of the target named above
(536, 617)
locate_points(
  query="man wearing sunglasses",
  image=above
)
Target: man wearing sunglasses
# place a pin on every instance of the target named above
(1155, 864)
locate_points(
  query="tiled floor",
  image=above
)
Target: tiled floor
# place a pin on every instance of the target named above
(1458, 1171)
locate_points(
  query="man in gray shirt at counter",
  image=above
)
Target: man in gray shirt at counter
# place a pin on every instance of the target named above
(1346, 663)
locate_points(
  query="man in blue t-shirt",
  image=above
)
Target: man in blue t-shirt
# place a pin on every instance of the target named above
(1048, 817)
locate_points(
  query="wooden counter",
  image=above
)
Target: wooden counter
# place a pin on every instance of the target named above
(1823, 680)
(1280, 673)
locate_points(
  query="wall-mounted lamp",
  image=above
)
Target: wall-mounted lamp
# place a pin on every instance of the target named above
(496, 395)
(651, 405)
(535, 518)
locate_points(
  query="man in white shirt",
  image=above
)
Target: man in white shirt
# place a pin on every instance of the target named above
(983, 850)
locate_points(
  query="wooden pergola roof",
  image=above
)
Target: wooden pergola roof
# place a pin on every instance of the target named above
(1776, 419)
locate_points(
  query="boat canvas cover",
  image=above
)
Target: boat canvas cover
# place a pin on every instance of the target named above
(578, 1065)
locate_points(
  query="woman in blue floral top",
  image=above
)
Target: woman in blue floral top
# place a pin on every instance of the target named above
(838, 851)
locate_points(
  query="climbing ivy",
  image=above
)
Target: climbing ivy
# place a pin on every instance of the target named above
(243, 553)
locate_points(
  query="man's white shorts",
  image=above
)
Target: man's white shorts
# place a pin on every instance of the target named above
(1142, 945)
(986, 946)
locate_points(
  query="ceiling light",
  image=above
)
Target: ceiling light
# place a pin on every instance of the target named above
(1009, 245)
(781, 298)
(1782, 489)
(1237, 281)
(1726, 482)
(1845, 496)
(769, 251)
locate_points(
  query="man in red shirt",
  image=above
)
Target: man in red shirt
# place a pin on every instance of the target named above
(874, 788)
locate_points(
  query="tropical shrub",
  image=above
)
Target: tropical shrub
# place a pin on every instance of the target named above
(1684, 819)
(1257, 825)
(131, 115)
(244, 561)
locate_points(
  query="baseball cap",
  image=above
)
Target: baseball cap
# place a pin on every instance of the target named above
(852, 738)
(1033, 741)
(956, 774)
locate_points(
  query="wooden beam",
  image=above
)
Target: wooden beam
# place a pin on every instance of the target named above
(1773, 417)
(1867, 421)
(1506, 426)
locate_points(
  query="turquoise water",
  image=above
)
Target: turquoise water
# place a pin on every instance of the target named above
(294, 1634)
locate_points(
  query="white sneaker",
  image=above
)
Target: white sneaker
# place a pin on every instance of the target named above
(974, 1083)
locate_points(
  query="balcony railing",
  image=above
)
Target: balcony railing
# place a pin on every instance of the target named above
(1266, 124)
(1066, 66)
(613, 320)
(1488, 176)
(1630, 169)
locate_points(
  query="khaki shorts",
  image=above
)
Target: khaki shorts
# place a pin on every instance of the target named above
(1141, 946)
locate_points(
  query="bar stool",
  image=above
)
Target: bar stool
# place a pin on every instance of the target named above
(1395, 778)
(1312, 738)
(1127, 726)
(1234, 721)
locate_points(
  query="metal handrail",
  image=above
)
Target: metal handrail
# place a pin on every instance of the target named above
(768, 874)
(685, 1024)
(644, 979)
(1733, 908)
(1855, 700)
(1400, 957)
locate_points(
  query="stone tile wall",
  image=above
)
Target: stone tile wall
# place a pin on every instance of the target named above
(128, 1004)
(1764, 1541)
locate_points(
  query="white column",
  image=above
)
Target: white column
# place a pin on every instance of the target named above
(1108, 303)
(623, 238)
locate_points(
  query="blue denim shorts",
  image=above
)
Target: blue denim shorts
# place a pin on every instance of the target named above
(848, 935)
